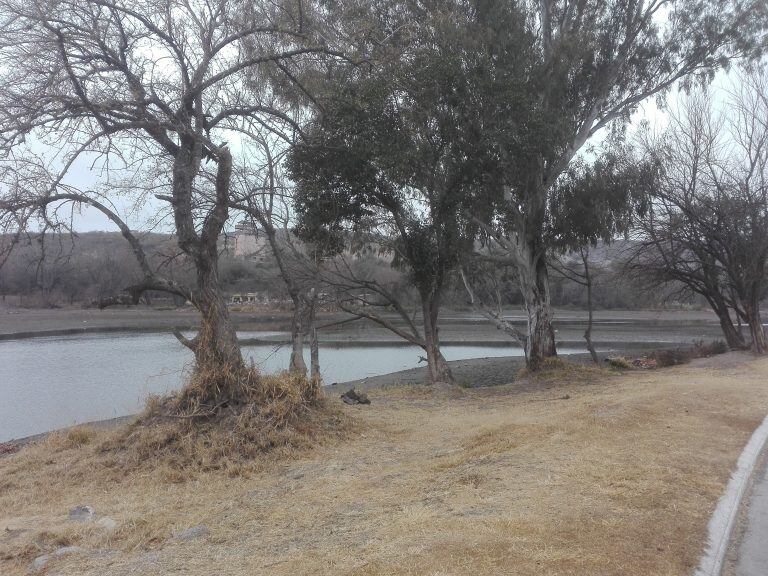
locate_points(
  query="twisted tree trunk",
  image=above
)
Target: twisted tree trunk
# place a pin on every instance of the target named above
(216, 343)
(733, 336)
(215, 347)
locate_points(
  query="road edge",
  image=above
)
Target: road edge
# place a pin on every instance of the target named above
(726, 512)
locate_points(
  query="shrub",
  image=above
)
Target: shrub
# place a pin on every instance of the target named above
(703, 349)
(619, 362)
(671, 357)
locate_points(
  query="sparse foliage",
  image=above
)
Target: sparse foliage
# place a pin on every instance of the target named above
(708, 224)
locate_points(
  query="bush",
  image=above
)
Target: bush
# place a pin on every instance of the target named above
(672, 357)
(677, 356)
(703, 349)
(619, 362)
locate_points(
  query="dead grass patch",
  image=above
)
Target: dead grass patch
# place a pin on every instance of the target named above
(556, 369)
(181, 435)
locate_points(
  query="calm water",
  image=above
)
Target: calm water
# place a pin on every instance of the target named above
(49, 383)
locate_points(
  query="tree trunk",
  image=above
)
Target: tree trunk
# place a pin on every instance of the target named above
(314, 346)
(756, 330)
(534, 285)
(297, 363)
(439, 371)
(733, 336)
(588, 332)
(217, 345)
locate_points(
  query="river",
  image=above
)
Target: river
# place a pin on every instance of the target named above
(53, 382)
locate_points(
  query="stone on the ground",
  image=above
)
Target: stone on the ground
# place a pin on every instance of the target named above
(353, 397)
(191, 533)
(82, 514)
(39, 563)
(107, 523)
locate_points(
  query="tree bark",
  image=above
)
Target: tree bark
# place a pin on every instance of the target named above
(534, 285)
(216, 343)
(756, 330)
(588, 331)
(733, 336)
(439, 371)
(215, 346)
(314, 346)
(297, 363)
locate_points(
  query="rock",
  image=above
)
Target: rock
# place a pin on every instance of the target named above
(39, 563)
(354, 397)
(198, 531)
(107, 523)
(82, 514)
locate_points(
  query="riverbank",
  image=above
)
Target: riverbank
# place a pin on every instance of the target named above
(611, 326)
(581, 472)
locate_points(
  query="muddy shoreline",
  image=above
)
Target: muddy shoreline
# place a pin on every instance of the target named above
(611, 328)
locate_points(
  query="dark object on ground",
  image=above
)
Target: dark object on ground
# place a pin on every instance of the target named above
(352, 397)
(8, 448)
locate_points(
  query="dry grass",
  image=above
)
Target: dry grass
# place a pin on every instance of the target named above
(556, 369)
(620, 478)
(261, 414)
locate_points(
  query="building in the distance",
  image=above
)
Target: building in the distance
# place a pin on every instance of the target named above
(252, 243)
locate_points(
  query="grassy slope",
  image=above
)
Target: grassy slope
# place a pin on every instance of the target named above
(619, 478)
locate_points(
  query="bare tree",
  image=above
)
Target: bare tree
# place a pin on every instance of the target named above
(264, 196)
(708, 226)
(581, 271)
(153, 93)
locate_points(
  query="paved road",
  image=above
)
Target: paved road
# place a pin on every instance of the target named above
(752, 551)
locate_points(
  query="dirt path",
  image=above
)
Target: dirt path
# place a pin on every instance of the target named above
(584, 474)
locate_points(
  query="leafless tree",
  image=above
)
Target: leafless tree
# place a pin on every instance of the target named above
(153, 94)
(708, 226)
(264, 195)
(580, 270)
